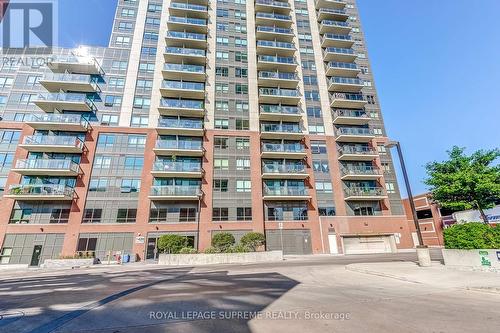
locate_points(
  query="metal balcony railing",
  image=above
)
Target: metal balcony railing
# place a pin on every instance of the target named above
(278, 75)
(280, 109)
(47, 164)
(41, 190)
(188, 6)
(182, 103)
(270, 43)
(185, 51)
(53, 140)
(363, 191)
(280, 128)
(176, 166)
(184, 68)
(180, 123)
(349, 113)
(187, 20)
(361, 170)
(175, 190)
(186, 35)
(58, 118)
(183, 85)
(358, 150)
(187, 145)
(283, 147)
(354, 131)
(283, 168)
(285, 191)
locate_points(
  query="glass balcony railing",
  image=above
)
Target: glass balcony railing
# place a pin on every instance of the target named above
(342, 65)
(339, 50)
(180, 123)
(345, 80)
(335, 23)
(176, 166)
(350, 97)
(273, 3)
(47, 164)
(276, 59)
(184, 68)
(283, 147)
(332, 11)
(58, 118)
(186, 35)
(66, 77)
(363, 191)
(41, 190)
(354, 131)
(357, 150)
(349, 113)
(273, 16)
(53, 140)
(186, 145)
(182, 103)
(361, 170)
(185, 51)
(280, 128)
(277, 75)
(275, 30)
(285, 191)
(183, 85)
(279, 92)
(187, 20)
(270, 43)
(283, 168)
(66, 97)
(280, 109)
(337, 37)
(188, 6)
(175, 190)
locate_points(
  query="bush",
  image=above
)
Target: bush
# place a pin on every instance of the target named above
(172, 243)
(253, 240)
(222, 241)
(471, 236)
(238, 249)
(187, 250)
(211, 250)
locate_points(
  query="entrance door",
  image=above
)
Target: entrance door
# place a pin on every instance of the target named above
(332, 241)
(151, 251)
(35, 258)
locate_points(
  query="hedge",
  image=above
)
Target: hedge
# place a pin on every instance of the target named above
(470, 236)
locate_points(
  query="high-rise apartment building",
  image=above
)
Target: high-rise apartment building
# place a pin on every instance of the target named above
(201, 116)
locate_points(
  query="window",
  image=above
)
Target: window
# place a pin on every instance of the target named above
(130, 185)
(311, 80)
(241, 89)
(220, 185)
(222, 27)
(139, 121)
(311, 95)
(9, 136)
(321, 166)
(109, 119)
(243, 186)
(154, 8)
(326, 211)
(92, 215)
(222, 12)
(149, 51)
(311, 65)
(386, 167)
(242, 143)
(27, 98)
(220, 214)
(125, 26)
(364, 210)
(241, 106)
(314, 112)
(222, 55)
(134, 162)
(288, 212)
(222, 105)
(112, 100)
(242, 28)
(222, 88)
(243, 164)
(146, 67)
(59, 215)
(221, 164)
(371, 99)
(242, 124)
(316, 129)
(222, 41)
(127, 12)
(390, 187)
(244, 213)
(6, 160)
(3, 100)
(222, 71)
(142, 102)
(150, 36)
(136, 141)
(3, 182)
(106, 140)
(241, 72)
(102, 162)
(324, 187)
(20, 215)
(6, 82)
(153, 21)
(116, 82)
(126, 215)
(187, 215)
(381, 149)
(144, 84)
(119, 65)
(240, 56)
(377, 131)
(240, 14)
(220, 142)
(240, 42)
(32, 80)
(122, 41)
(98, 185)
(318, 147)
(221, 123)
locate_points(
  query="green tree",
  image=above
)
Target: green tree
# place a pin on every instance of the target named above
(253, 240)
(465, 182)
(172, 243)
(222, 241)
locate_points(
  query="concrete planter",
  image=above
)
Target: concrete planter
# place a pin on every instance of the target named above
(67, 263)
(13, 267)
(486, 260)
(218, 258)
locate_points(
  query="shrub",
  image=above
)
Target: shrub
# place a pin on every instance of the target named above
(238, 249)
(172, 243)
(471, 236)
(222, 241)
(210, 250)
(253, 240)
(187, 250)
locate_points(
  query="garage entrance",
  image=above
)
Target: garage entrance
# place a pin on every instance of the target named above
(367, 244)
(294, 241)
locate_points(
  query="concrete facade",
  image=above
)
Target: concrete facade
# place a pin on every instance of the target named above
(199, 117)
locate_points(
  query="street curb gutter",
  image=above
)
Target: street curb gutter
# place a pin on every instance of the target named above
(366, 271)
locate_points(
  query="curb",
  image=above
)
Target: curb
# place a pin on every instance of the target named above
(366, 271)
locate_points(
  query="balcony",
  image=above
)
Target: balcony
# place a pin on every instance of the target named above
(46, 167)
(284, 171)
(186, 39)
(345, 69)
(279, 96)
(178, 148)
(184, 72)
(279, 112)
(195, 8)
(270, 48)
(339, 54)
(357, 153)
(40, 192)
(286, 193)
(290, 131)
(332, 14)
(360, 173)
(334, 4)
(182, 107)
(175, 192)
(364, 193)
(184, 89)
(281, 34)
(334, 27)
(52, 144)
(55, 82)
(75, 64)
(274, 19)
(190, 24)
(179, 54)
(354, 134)
(60, 122)
(178, 169)
(350, 117)
(180, 127)
(272, 6)
(347, 101)
(283, 150)
(278, 79)
(50, 102)
(345, 84)
(285, 64)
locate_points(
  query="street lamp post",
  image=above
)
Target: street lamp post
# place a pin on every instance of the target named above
(423, 254)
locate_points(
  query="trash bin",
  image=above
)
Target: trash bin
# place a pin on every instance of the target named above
(126, 258)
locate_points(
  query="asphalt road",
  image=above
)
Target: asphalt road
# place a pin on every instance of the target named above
(302, 294)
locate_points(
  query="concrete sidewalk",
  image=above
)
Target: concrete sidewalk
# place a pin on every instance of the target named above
(437, 275)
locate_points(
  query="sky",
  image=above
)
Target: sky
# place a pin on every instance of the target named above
(436, 66)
